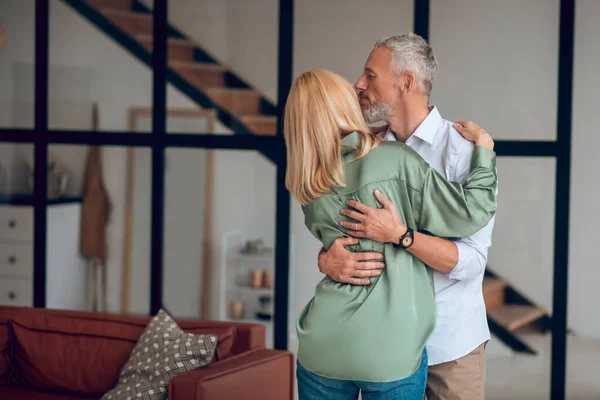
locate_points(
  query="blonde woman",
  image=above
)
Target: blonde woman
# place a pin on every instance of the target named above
(371, 339)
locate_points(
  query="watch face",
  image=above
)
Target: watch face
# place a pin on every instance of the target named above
(407, 241)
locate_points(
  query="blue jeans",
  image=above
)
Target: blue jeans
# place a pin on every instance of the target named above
(315, 387)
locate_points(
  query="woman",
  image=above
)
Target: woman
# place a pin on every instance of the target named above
(370, 338)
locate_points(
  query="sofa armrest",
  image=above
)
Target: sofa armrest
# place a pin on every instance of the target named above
(258, 374)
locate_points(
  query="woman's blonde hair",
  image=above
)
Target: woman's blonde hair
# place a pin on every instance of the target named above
(321, 109)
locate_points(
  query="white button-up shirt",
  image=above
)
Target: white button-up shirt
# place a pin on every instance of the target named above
(461, 317)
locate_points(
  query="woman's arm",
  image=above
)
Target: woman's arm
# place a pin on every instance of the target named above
(451, 210)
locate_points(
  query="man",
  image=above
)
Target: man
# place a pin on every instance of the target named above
(395, 87)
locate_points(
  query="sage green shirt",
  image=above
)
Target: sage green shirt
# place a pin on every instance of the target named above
(377, 333)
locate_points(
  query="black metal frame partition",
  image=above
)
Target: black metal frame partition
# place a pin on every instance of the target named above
(41, 137)
(561, 150)
(159, 141)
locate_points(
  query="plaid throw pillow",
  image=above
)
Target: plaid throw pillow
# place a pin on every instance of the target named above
(162, 352)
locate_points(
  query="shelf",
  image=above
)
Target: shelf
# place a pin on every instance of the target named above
(250, 290)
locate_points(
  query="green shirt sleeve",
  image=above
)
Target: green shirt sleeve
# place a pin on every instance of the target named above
(451, 210)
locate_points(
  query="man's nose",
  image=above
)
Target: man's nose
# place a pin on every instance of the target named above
(360, 84)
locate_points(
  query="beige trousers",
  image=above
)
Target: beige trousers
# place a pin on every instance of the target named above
(462, 379)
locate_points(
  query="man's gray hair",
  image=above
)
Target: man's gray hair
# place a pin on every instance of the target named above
(411, 53)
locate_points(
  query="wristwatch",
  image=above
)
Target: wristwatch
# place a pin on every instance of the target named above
(407, 239)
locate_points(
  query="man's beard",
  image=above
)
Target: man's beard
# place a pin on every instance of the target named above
(377, 111)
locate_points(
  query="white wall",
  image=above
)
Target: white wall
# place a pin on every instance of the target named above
(522, 245)
(584, 267)
(498, 64)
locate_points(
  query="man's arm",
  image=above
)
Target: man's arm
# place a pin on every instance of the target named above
(462, 259)
(439, 254)
(384, 225)
(472, 254)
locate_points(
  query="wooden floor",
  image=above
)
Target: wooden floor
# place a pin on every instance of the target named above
(512, 376)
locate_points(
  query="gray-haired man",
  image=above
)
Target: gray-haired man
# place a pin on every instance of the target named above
(395, 87)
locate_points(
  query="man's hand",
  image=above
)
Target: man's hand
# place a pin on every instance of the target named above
(379, 224)
(345, 266)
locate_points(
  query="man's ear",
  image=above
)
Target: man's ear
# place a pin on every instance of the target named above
(409, 82)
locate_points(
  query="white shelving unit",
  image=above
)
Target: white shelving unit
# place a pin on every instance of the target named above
(235, 280)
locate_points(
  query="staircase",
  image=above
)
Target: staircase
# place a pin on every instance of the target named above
(510, 313)
(206, 81)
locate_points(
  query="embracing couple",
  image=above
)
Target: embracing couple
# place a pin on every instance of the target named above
(405, 214)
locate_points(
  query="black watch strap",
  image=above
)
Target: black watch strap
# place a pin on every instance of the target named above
(407, 239)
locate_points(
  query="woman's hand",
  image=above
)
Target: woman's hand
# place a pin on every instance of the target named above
(474, 133)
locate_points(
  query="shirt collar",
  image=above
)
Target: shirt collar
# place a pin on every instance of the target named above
(426, 131)
(428, 128)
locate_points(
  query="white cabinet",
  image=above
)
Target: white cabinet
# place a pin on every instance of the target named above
(16, 292)
(66, 272)
(16, 255)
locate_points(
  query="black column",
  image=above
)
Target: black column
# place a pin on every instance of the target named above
(159, 124)
(282, 224)
(563, 185)
(421, 20)
(40, 152)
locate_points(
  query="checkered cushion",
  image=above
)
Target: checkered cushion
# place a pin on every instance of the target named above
(162, 352)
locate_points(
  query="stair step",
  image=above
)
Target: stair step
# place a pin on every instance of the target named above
(124, 5)
(179, 49)
(134, 23)
(236, 101)
(171, 41)
(494, 291)
(515, 316)
(197, 66)
(201, 75)
(126, 13)
(261, 124)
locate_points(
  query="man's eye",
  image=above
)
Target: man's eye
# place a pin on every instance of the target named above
(371, 76)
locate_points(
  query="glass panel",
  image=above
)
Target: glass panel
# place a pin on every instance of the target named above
(179, 120)
(501, 75)
(17, 60)
(136, 243)
(219, 235)
(98, 236)
(89, 67)
(16, 225)
(522, 256)
(225, 52)
(584, 344)
(340, 35)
